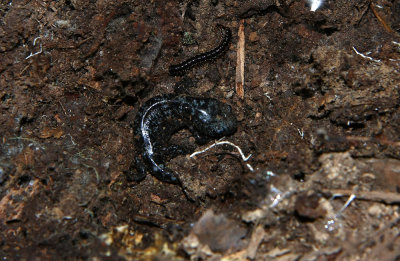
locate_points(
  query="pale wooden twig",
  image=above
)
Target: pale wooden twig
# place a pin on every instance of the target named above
(240, 61)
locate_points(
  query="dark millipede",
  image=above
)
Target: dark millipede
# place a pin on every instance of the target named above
(180, 69)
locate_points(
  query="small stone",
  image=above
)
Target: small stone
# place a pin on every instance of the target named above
(375, 210)
(253, 37)
(307, 206)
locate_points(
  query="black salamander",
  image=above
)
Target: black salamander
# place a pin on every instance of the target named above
(162, 116)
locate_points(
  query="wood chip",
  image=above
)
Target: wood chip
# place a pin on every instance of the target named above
(256, 239)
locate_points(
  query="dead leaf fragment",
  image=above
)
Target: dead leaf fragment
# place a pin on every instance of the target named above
(51, 132)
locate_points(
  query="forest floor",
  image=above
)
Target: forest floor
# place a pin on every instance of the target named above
(319, 116)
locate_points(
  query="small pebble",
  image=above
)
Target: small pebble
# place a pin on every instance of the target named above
(253, 37)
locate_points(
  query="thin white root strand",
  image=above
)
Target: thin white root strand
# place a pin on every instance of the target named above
(219, 142)
(39, 52)
(365, 56)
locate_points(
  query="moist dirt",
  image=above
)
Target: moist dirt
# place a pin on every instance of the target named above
(320, 119)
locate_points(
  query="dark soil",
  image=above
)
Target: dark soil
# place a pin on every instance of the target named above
(320, 118)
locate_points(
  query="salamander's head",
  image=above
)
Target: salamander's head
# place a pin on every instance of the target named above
(214, 118)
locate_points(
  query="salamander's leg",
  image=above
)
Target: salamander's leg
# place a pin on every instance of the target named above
(200, 139)
(137, 171)
(165, 175)
(173, 151)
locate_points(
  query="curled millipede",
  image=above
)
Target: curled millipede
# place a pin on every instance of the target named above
(180, 69)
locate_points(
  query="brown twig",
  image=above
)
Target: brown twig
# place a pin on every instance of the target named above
(380, 19)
